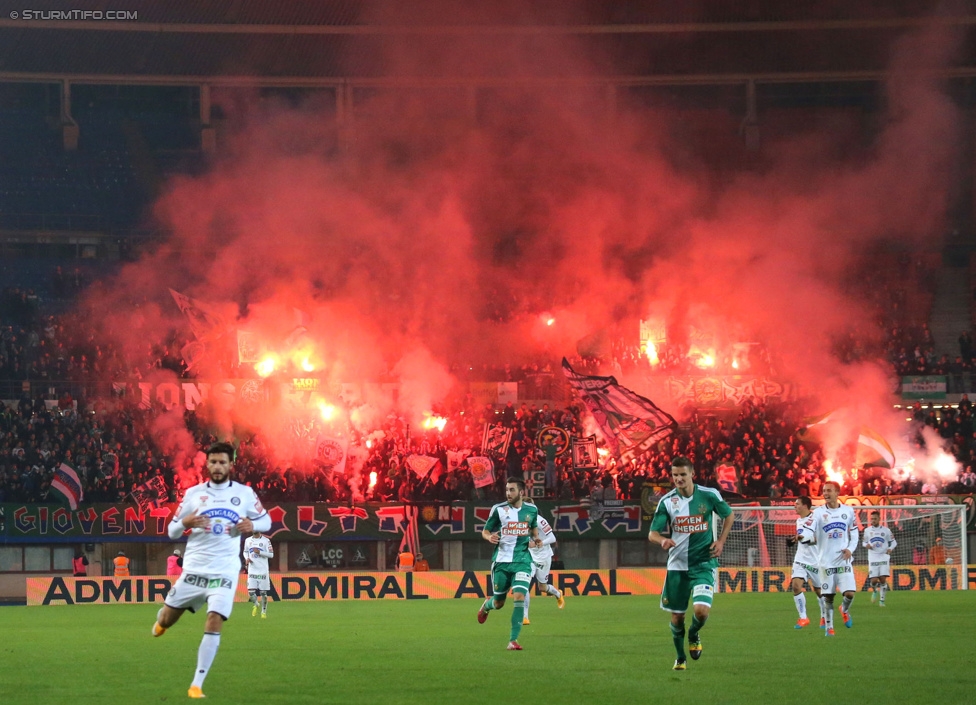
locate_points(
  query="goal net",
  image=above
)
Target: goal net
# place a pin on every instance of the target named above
(932, 536)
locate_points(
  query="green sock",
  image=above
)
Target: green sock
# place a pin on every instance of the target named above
(696, 625)
(518, 610)
(678, 634)
(489, 604)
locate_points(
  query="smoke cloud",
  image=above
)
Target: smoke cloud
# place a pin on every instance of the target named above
(439, 240)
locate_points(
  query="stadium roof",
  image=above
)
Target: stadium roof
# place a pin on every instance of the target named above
(327, 42)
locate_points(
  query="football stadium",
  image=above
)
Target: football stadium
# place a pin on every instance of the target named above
(357, 351)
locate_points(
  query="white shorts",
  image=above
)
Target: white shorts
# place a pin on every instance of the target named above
(540, 570)
(879, 567)
(191, 591)
(258, 582)
(806, 572)
(837, 579)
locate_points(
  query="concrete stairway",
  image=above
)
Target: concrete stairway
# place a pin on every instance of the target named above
(951, 310)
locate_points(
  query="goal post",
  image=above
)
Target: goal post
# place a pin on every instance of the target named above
(928, 535)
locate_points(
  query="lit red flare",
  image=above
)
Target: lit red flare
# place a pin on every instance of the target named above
(431, 421)
(266, 366)
(650, 349)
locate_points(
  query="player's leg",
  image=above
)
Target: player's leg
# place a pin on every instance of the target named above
(827, 589)
(847, 585)
(521, 577)
(252, 595)
(674, 599)
(206, 652)
(820, 602)
(220, 604)
(528, 598)
(181, 596)
(543, 575)
(884, 572)
(501, 581)
(800, 601)
(264, 603)
(702, 592)
(166, 617)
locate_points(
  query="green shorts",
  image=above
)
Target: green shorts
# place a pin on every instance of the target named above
(697, 583)
(511, 576)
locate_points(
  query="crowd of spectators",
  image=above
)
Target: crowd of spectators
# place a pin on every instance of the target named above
(109, 441)
(110, 445)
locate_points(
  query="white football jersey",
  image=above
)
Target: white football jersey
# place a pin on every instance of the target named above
(548, 536)
(806, 554)
(836, 531)
(878, 540)
(215, 549)
(258, 551)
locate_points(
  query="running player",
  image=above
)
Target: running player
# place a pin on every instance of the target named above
(837, 536)
(541, 562)
(805, 566)
(880, 543)
(216, 513)
(693, 553)
(513, 527)
(257, 551)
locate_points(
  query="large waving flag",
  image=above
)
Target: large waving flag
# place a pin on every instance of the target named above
(496, 439)
(727, 478)
(204, 320)
(150, 494)
(815, 426)
(630, 423)
(67, 484)
(873, 450)
(482, 470)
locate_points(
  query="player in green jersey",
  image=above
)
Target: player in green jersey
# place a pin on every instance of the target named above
(692, 553)
(513, 527)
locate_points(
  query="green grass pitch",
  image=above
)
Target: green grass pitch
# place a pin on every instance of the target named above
(920, 648)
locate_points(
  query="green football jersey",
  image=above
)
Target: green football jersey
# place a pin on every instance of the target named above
(690, 519)
(515, 527)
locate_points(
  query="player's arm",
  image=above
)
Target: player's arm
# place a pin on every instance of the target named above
(658, 524)
(725, 511)
(892, 544)
(548, 535)
(490, 532)
(257, 519)
(184, 519)
(848, 552)
(536, 541)
(269, 553)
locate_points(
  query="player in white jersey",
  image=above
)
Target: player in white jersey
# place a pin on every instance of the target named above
(215, 513)
(541, 563)
(805, 566)
(880, 543)
(257, 551)
(836, 537)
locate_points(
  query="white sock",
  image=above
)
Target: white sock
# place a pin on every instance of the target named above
(525, 605)
(159, 615)
(883, 589)
(553, 591)
(847, 604)
(823, 607)
(829, 617)
(801, 604)
(205, 657)
(264, 603)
